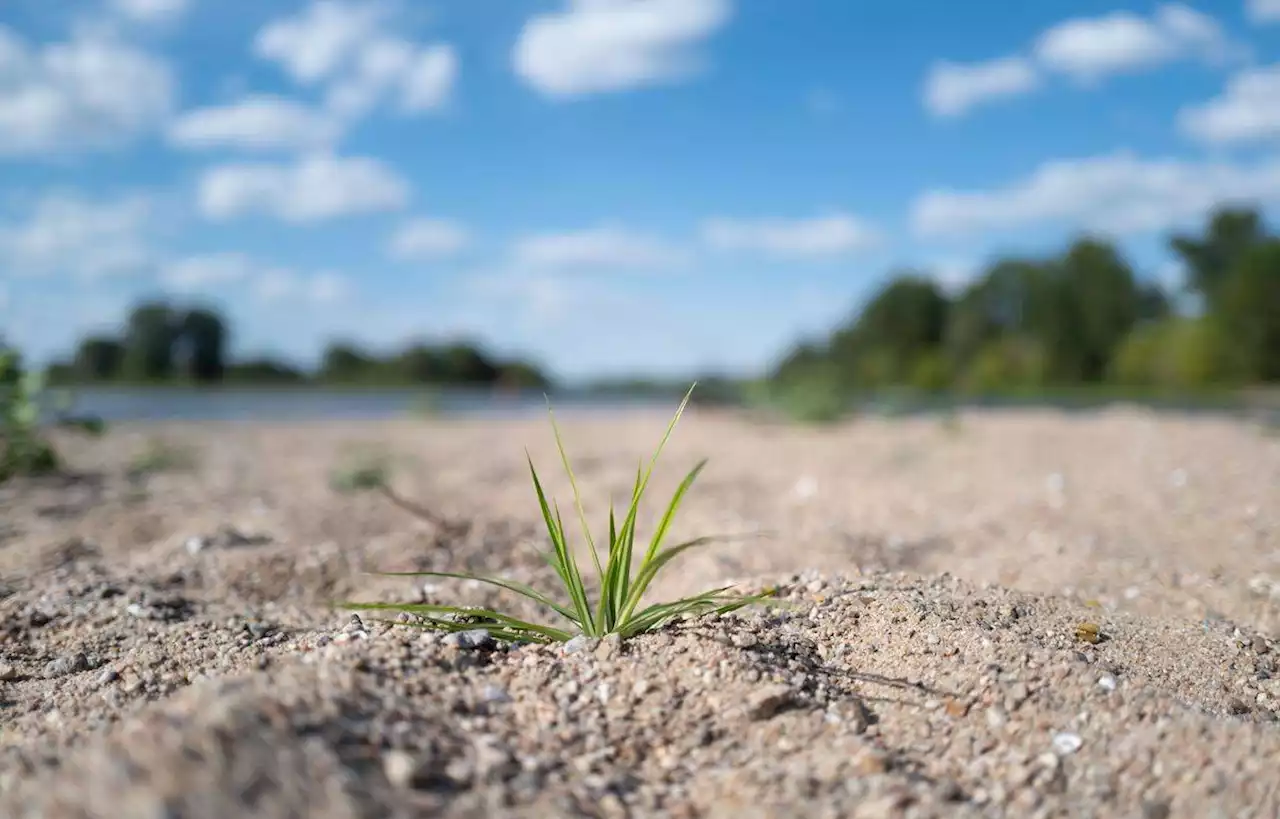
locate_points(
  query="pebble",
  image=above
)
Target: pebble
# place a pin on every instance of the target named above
(494, 693)
(8, 673)
(70, 664)
(1066, 743)
(763, 703)
(473, 639)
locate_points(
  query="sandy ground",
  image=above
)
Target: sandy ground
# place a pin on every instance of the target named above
(168, 648)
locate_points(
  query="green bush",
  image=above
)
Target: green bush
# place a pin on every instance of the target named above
(1005, 364)
(1180, 354)
(814, 395)
(24, 447)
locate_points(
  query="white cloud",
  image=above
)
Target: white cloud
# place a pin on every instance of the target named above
(269, 284)
(279, 284)
(196, 273)
(89, 93)
(1117, 193)
(150, 11)
(951, 89)
(1263, 11)
(258, 122)
(347, 46)
(1090, 48)
(1248, 111)
(315, 188)
(836, 234)
(67, 234)
(424, 238)
(604, 248)
(594, 46)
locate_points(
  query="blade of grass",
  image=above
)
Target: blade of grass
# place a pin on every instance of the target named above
(577, 496)
(565, 566)
(466, 611)
(509, 585)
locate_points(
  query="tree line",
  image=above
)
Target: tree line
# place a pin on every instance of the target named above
(162, 343)
(1081, 317)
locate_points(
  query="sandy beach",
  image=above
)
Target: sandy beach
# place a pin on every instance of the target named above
(1018, 613)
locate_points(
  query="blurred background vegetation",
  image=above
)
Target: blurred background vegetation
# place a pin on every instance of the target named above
(1024, 326)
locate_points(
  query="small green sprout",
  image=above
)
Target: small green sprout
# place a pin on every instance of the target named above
(24, 447)
(617, 609)
(161, 455)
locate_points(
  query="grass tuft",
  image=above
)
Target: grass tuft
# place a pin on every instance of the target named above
(621, 585)
(161, 455)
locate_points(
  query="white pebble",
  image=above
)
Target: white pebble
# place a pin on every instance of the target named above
(1065, 743)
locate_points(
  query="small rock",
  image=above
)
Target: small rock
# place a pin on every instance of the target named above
(399, 767)
(8, 673)
(1066, 743)
(473, 639)
(1155, 809)
(871, 762)
(108, 676)
(1107, 683)
(609, 647)
(763, 703)
(576, 644)
(494, 693)
(62, 666)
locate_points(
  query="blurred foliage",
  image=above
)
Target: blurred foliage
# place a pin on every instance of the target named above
(25, 448)
(161, 343)
(1082, 318)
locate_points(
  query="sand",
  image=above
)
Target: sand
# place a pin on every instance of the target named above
(1021, 614)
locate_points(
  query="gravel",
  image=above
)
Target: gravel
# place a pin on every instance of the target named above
(957, 634)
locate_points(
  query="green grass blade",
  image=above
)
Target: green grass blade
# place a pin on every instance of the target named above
(607, 610)
(565, 565)
(649, 569)
(502, 620)
(510, 585)
(665, 523)
(642, 482)
(577, 495)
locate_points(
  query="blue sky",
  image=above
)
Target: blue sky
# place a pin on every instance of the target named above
(606, 185)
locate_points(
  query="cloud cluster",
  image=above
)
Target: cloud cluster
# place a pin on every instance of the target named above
(424, 239)
(1086, 50)
(91, 92)
(1248, 111)
(836, 234)
(313, 188)
(67, 234)
(596, 46)
(214, 273)
(1117, 193)
(348, 48)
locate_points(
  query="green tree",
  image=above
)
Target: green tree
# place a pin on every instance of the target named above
(1009, 300)
(421, 364)
(151, 333)
(1249, 308)
(204, 342)
(1230, 233)
(527, 376)
(343, 363)
(466, 364)
(98, 358)
(1093, 303)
